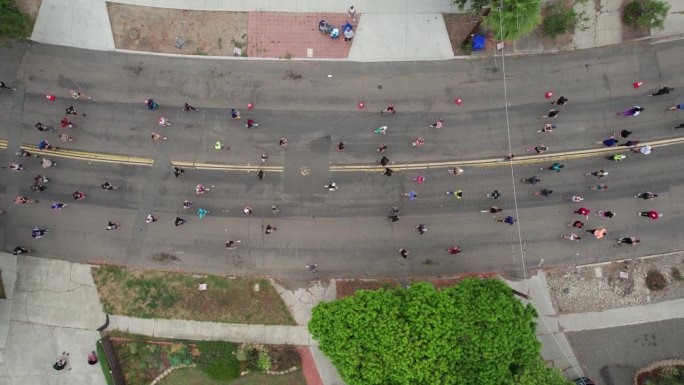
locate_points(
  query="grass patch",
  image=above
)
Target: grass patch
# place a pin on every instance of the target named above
(193, 376)
(143, 358)
(104, 364)
(13, 23)
(156, 294)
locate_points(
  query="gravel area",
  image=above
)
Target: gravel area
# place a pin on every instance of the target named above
(596, 288)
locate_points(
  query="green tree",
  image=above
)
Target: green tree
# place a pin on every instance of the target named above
(473, 333)
(645, 13)
(514, 19)
(13, 23)
(475, 5)
(561, 19)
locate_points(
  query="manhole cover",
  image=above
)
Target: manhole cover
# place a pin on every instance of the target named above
(305, 170)
(133, 34)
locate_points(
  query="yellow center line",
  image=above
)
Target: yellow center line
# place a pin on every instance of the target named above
(492, 162)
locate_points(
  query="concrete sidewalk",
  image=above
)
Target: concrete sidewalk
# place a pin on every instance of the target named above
(54, 307)
(388, 30)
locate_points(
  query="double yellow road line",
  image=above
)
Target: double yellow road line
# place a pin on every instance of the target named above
(492, 162)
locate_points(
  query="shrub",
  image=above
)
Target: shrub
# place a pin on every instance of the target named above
(645, 13)
(179, 355)
(560, 19)
(13, 23)
(475, 6)
(217, 360)
(655, 280)
(515, 19)
(264, 361)
(676, 274)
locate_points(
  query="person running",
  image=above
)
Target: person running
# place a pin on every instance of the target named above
(646, 195)
(246, 211)
(65, 138)
(418, 142)
(457, 193)
(260, 174)
(177, 171)
(509, 219)
(492, 210)
(628, 241)
(200, 189)
(455, 171)
(24, 154)
(543, 192)
(548, 128)
(531, 180)
(651, 214)
(662, 91)
(634, 111)
(389, 109)
(678, 126)
(187, 204)
(331, 187)
(494, 194)
(4, 86)
(454, 250)
(264, 158)
(58, 205)
(572, 237)
(251, 123)
(538, 149)
(380, 130)
(576, 224)
(610, 142)
(162, 121)
(582, 211)
(232, 244)
(554, 167)
(381, 148)
(384, 161)
(150, 218)
(340, 147)
(599, 174)
(77, 195)
(218, 146)
(624, 134)
(313, 268)
(404, 253)
(282, 142)
(179, 221)
(201, 212)
(235, 114)
(38, 188)
(20, 250)
(598, 233)
(597, 187)
(70, 110)
(550, 114)
(151, 104)
(157, 136)
(633, 144)
(65, 123)
(617, 157)
(679, 106)
(46, 163)
(419, 179)
(388, 171)
(43, 127)
(41, 179)
(112, 225)
(421, 229)
(269, 229)
(605, 214)
(44, 145)
(187, 107)
(438, 124)
(560, 102)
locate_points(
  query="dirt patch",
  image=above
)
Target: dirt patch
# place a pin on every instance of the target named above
(29, 7)
(151, 29)
(347, 287)
(459, 26)
(621, 284)
(157, 294)
(630, 32)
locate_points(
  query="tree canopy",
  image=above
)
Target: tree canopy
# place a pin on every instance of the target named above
(473, 333)
(514, 19)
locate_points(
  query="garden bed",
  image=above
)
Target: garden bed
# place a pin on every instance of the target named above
(156, 294)
(143, 359)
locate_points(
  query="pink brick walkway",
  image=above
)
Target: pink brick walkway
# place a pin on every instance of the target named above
(309, 367)
(277, 34)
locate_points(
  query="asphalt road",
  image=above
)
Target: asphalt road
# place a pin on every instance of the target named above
(613, 356)
(345, 231)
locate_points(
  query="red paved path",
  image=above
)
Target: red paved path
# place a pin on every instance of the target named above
(277, 34)
(309, 366)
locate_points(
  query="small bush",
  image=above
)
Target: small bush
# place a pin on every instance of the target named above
(180, 355)
(264, 361)
(645, 13)
(560, 20)
(677, 275)
(217, 360)
(655, 280)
